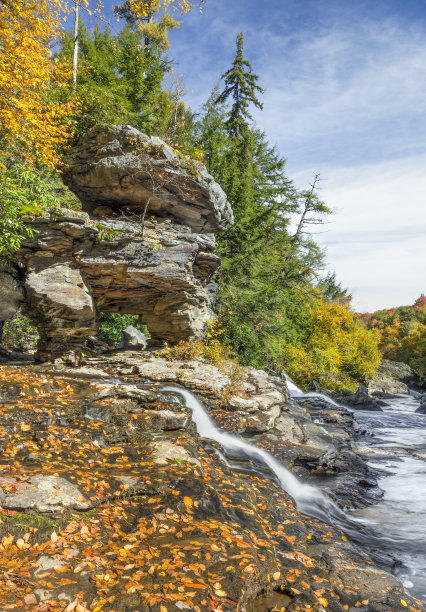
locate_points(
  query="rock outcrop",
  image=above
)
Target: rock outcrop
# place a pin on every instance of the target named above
(395, 377)
(125, 170)
(11, 294)
(141, 513)
(145, 246)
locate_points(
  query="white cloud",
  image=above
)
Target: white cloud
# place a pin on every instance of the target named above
(376, 241)
(346, 97)
(344, 93)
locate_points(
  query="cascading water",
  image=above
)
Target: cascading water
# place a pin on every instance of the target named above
(309, 499)
(294, 391)
(398, 520)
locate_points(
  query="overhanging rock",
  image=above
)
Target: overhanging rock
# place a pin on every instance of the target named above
(127, 171)
(125, 252)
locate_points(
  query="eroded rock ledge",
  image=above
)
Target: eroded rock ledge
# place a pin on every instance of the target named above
(126, 170)
(146, 516)
(144, 244)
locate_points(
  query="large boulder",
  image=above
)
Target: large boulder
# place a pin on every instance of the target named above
(360, 400)
(401, 375)
(128, 171)
(142, 245)
(133, 339)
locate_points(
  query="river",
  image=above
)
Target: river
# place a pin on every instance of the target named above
(395, 440)
(394, 530)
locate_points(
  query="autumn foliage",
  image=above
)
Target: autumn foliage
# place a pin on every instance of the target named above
(402, 333)
(32, 124)
(339, 350)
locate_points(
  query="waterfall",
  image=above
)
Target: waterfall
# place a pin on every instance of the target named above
(295, 392)
(309, 499)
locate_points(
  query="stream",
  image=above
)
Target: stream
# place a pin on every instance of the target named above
(393, 531)
(397, 437)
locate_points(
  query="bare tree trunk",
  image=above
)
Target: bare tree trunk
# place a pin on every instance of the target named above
(305, 209)
(75, 56)
(143, 217)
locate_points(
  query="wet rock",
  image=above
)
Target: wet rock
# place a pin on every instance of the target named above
(167, 420)
(261, 422)
(360, 400)
(42, 492)
(168, 511)
(164, 453)
(133, 339)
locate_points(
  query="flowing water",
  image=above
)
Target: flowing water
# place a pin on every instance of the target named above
(400, 436)
(396, 526)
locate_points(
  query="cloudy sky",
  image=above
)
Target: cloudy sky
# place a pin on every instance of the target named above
(346, 97)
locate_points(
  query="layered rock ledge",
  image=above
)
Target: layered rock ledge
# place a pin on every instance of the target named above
(145, 246)
(124, 169)
(145, 515)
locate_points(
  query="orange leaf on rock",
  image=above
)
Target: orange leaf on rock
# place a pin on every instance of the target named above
(188, 502)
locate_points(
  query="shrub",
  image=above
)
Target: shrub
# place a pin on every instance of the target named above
(19, 334)
(111, 326)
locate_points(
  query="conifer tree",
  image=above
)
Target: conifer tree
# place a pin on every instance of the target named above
(241, 85)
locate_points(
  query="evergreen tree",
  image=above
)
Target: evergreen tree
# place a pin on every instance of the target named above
(265, 281)
(241, 85)
(332, 290)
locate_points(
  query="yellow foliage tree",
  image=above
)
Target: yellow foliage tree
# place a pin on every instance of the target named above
(141, 13)
(146, 8)
(339, 351)
(31, 125)
(341, 345)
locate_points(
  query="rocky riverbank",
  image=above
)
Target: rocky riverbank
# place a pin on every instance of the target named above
(111, 501)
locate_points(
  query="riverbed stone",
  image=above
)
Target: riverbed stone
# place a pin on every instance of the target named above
(166, 506)
(41, 492)
(164, 453)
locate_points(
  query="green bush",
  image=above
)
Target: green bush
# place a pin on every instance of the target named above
(111, 326)
(19, 334)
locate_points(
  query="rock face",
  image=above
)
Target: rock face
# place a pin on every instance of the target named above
(11, 295)
(401, 374)
(133, 258)
(123, 169)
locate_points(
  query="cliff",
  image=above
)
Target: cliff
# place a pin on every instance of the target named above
(144, 244)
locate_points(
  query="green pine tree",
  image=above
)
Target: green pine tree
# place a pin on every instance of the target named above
(240, 85)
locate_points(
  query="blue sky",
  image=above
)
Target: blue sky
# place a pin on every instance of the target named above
(346, 97)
